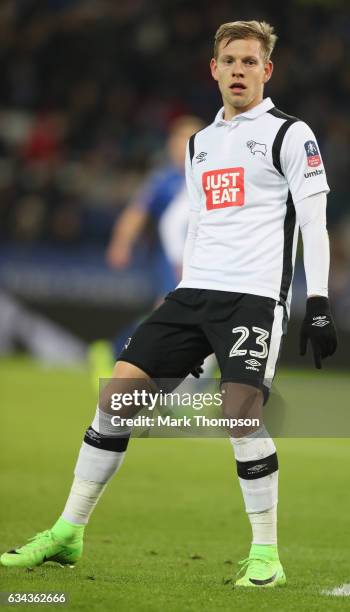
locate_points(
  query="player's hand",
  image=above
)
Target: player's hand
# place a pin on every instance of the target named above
(319, 328)
(118, 255)
(197, 370)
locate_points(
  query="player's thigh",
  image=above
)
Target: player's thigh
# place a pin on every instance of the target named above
(247, 341)
(125, 370)
(169, 343)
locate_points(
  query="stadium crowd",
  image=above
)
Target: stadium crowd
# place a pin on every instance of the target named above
(89, 89)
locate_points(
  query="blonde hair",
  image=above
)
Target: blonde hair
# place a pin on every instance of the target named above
(235, 30)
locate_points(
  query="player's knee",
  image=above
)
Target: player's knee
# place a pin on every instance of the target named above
(128, 382)
(241, 401)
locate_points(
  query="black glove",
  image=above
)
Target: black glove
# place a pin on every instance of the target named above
(319, 328)
(197, 370)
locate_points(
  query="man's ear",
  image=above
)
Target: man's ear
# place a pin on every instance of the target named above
(214, 68)
(268, 70)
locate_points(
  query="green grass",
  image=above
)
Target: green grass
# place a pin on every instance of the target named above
(172, 501)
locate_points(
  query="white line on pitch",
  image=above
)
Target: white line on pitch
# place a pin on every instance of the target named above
(340, 591)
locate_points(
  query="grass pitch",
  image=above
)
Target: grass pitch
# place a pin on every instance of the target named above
(171, 527)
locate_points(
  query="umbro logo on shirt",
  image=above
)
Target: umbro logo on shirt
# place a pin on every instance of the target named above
(313, 173)
(201, 157)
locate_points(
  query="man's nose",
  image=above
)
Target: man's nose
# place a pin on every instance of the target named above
(237, 69)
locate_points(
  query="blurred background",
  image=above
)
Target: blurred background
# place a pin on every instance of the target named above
(91, 100)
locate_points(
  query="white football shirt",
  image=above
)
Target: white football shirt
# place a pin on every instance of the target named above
(242, 177)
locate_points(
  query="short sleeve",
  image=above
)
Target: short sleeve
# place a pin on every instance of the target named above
(301, 162)
(146, 195)
(158, 190)
(193, 193)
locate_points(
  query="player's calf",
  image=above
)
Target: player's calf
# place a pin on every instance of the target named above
(105, 443)
(101, 455)
(257, 469)
(242, 402)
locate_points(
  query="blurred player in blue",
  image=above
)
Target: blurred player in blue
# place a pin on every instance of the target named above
(137, 231)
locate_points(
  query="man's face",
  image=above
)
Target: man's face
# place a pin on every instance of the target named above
(241, 72)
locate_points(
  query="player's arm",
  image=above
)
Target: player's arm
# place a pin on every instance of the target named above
(193, 215)
(318, 326)
(312, 219)
(303, 168)
(125, 233)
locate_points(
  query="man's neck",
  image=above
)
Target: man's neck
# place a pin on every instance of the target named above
(230, 111)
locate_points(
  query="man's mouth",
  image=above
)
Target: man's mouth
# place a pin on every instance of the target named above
(237, 87)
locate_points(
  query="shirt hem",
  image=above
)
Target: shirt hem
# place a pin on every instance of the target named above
(263, 292)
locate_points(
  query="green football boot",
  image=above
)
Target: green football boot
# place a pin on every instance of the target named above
(262, 568)
(62, 544)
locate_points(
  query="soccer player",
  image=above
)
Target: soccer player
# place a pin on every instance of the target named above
(254, 176)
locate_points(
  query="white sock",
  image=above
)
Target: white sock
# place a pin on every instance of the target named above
(261, 493)
(101, 455)
(264, 526)
(81, 501)
(256, 454)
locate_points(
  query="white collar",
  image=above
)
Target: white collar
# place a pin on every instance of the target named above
(253, 113)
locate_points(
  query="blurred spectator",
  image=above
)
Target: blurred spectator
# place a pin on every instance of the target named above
(162, 201)
(147, 209)
(90, 87)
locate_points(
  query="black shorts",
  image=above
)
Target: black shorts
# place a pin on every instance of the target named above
(243, 330)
